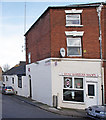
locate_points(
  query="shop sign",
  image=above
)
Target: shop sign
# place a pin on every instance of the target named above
(79, 74)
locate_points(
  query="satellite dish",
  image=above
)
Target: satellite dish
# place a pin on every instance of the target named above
(62, 52)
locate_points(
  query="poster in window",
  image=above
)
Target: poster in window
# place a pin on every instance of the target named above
(68, 82)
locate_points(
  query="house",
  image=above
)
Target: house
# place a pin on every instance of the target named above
(65, 56)
(15, 77)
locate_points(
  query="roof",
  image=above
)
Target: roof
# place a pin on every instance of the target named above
(20, 70)
(68, 6)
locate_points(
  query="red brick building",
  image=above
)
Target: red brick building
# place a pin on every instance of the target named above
(79, 29)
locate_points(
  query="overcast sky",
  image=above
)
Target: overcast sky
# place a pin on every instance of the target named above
(12, 25)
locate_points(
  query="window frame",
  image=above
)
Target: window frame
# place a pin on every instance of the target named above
(70, 20)
(73, 88)
(29, 57)
(6, 78)
(74, 46)
(12, 80)
(20, 81)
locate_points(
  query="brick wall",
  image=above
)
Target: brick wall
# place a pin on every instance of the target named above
(90, 40)
(38, 39)
(47, 36)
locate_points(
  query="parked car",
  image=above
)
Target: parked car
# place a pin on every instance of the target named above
(96, 112)
(7, 90)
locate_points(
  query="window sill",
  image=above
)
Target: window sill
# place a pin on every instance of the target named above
(71, 25)
(74, 55)
(72, 102)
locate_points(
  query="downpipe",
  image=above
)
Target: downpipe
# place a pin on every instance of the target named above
(99, 9)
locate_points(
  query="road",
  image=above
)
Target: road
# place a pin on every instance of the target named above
(15, 108)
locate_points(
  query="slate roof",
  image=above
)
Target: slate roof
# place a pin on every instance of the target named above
(20, 70)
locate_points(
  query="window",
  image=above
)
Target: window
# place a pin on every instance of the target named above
(6, 78)
(20, 81)
(74, 46)
(73, 89)
(3, 79)
(68, 83)
(73, 19)
(91, 90)
(29, 57)
(12, 80)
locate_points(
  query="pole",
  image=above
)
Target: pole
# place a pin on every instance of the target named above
(25, 18)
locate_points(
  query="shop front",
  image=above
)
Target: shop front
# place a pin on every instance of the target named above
(79, 83)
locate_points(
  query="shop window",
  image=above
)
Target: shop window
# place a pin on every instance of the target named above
(20, 81)
(78, 83)
(67, 82)
(74, 47)
(73, 89)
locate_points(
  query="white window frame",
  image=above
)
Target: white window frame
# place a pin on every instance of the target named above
(74, 12)
(19, 81)
(6, 78)
(74, 46)
(71, 19)
(73, 88)
(12, 80)
(29, 57)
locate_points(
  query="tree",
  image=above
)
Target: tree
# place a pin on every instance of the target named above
(6, 67)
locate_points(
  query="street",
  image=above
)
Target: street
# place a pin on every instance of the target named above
(14, 108)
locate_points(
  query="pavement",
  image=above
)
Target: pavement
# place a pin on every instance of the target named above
(79, 113)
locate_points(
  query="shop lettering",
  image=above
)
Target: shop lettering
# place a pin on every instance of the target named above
(80, 74)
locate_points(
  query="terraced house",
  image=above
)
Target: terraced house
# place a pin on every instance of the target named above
(66, 56)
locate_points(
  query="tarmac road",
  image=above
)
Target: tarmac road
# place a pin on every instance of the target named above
(15, 108)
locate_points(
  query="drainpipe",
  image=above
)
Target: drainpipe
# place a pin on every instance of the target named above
(99, 9)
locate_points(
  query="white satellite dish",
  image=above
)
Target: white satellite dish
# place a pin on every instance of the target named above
(62, 52)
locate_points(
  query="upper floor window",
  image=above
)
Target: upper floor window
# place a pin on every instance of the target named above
(73, 17)
(74, 47)
(29, 57)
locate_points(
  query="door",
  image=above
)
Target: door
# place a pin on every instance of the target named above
(30, 87)
(91, 94)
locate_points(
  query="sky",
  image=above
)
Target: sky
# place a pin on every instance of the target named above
(12, 25)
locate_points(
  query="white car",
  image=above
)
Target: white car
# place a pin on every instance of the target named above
(7, 90)
(96, 112)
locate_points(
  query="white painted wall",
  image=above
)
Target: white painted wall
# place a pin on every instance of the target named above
(47, 81)
(24, 90)
(74, 66)
(41, 81)
(20, 91)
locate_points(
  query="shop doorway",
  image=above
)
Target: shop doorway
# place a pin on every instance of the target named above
(30, 87)
(91, 94)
